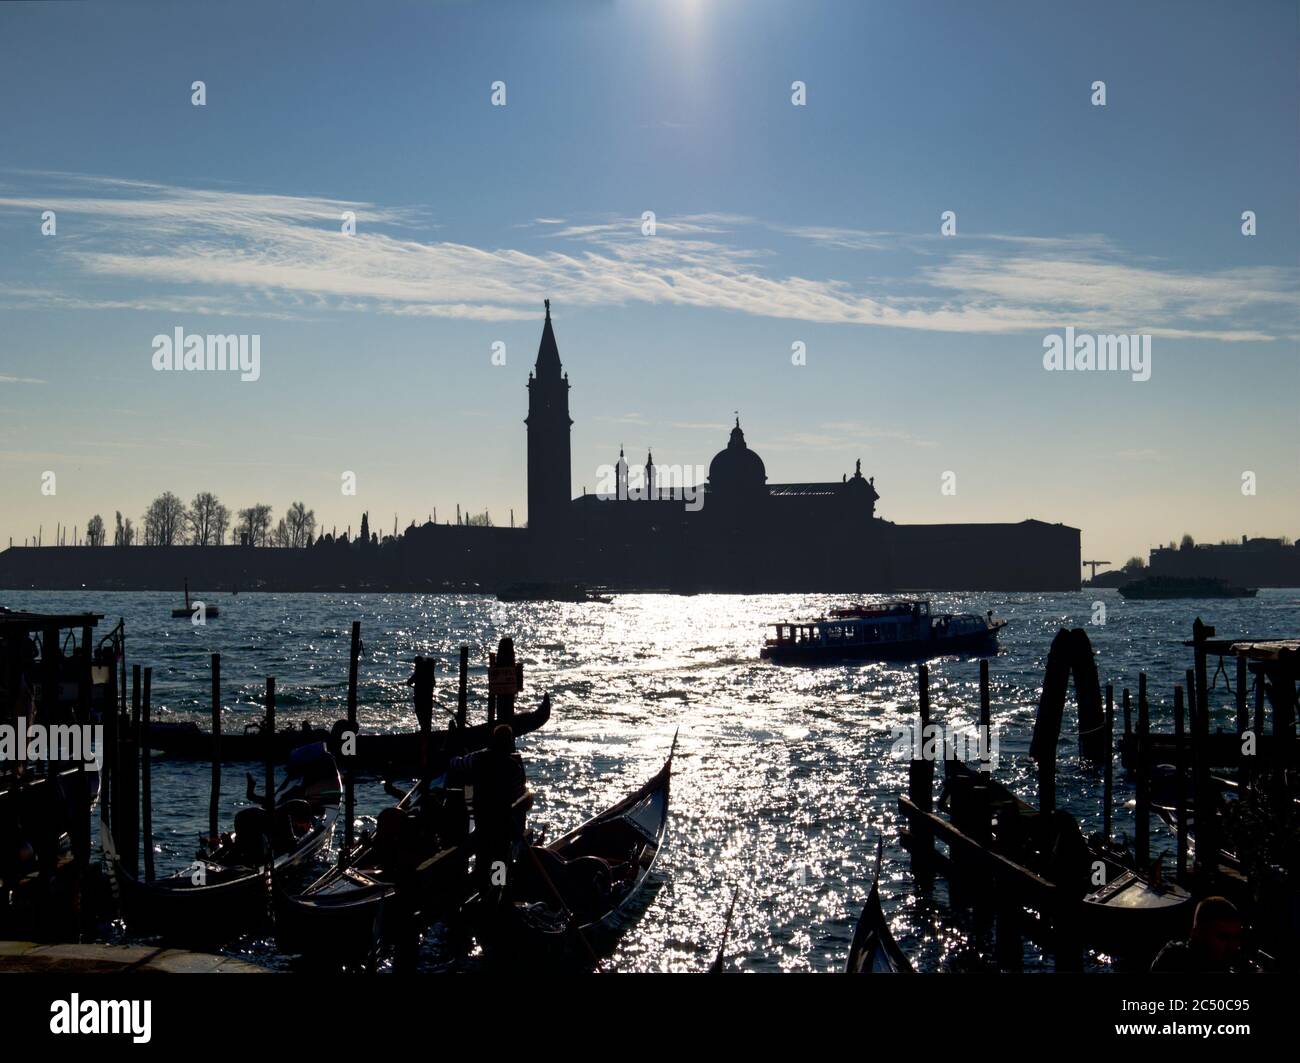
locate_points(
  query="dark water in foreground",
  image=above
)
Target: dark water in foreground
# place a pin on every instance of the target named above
(783, 775)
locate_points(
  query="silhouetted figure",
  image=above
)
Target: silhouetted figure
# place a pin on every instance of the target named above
(495, 780)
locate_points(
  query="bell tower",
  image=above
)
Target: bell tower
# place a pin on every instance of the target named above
(548, 424)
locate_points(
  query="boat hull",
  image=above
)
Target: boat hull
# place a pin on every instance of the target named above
(395, 753)
(981, 643)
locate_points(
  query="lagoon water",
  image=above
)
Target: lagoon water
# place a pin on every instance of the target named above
(783, 775)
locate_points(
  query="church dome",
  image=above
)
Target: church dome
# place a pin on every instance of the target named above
(737, 469)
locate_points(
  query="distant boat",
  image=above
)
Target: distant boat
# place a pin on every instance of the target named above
(1155, 588)
(208, 610)
(897, 631)
(550, 592)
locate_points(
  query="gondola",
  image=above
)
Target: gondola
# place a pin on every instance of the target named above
(569, 900)
(396, 754)
(409, 872)
(874, 950)
(1127, 912)
(225, 893)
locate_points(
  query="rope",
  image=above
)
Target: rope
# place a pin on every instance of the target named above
(1214, 679)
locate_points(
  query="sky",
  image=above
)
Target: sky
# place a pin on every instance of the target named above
(775, 225)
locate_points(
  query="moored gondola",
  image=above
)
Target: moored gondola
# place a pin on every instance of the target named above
(569, 900)
(410, 871)
(395, 754)
(874, 950)
(225, 892)
(1121, 908)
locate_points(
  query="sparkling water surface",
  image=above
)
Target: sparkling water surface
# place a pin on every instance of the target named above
(783, 775)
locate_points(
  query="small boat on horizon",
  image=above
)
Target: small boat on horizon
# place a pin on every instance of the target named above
(564, 591)
(903, 630)
(188, 611)
(1159, 588)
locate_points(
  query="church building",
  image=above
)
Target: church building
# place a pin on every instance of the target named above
(742, 533)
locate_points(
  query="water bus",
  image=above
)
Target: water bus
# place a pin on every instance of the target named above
(895, 631)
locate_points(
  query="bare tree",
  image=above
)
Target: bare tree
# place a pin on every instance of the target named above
(281, 536)
(220, 522)
(95, 531)
(207, 519)
(164, 521)
(300, 524)
(255, 522)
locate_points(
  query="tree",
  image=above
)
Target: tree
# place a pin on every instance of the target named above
(280, 537)
(1134, 564)
(1187, 543)
(95, 531)
(207, 519)
(364, 537)
(255, 522)
(300, 525)
(164, 521)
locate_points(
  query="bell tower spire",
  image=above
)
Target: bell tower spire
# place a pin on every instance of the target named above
(549, 465)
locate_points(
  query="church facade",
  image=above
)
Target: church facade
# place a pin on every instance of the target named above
(738, 532)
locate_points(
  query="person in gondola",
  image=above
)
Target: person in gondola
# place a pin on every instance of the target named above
(1214, 946)
(494, 780)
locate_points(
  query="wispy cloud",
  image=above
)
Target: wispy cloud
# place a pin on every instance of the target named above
(20, 380)
(153, 246)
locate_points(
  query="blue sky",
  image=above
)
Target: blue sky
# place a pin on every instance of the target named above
(776, 224)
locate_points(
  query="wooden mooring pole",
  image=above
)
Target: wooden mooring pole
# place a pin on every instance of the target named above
(214, 798)
(986, 726)
(129, 791)
(1243, 711)
(146, 780)
(269, 747)
(920, 786)
(1142, 809)
(349, 783)
(462, 692)
(424, 681)
(1204, 798)
(1180, 784)
(1108, 776)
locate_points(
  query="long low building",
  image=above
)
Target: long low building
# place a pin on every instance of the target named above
(733, 533)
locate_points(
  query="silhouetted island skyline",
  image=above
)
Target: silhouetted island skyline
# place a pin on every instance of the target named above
(734, 533)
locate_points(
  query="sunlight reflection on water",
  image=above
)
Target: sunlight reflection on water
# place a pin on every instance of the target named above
(782, 777)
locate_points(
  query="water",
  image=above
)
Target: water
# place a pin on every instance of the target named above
(783, 775)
